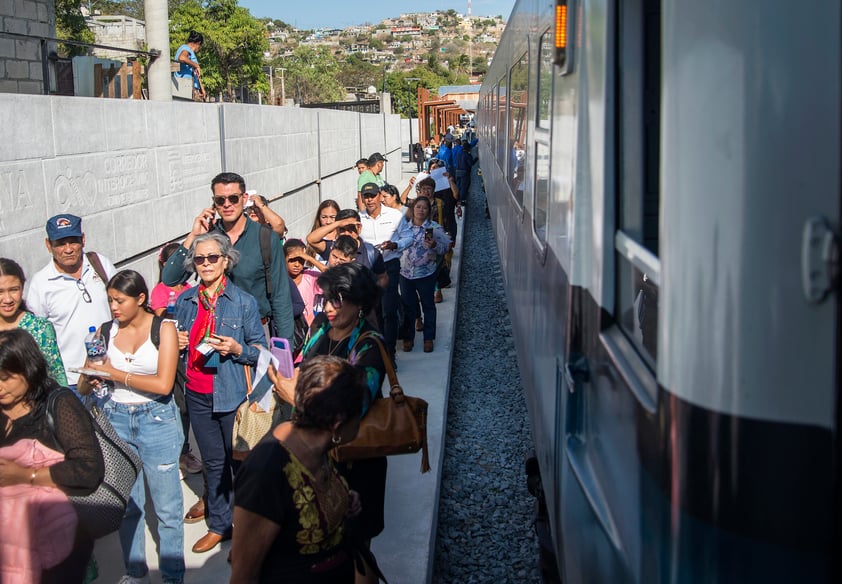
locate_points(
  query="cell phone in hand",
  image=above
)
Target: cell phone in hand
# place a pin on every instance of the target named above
(428, 234)
(281, 350)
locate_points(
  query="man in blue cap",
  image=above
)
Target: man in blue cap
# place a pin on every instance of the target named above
(70, 290)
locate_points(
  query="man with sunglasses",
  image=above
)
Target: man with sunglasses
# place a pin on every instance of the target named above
(70, 291)
(273, 298)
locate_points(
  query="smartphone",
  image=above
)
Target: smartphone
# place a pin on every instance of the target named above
(428, 234)
(281, 350)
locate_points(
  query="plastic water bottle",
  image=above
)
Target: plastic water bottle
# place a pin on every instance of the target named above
(96, 350)
(171, 305)
(95, 346)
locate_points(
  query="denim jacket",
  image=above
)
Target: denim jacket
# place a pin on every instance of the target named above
(237, 316)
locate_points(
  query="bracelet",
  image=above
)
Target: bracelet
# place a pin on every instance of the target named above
(32, 478)
(128, 375)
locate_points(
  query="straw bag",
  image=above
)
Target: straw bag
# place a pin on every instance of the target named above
(393, 425)
(251, 423)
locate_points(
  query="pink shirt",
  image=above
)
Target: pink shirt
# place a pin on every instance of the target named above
(161, 295)
(308, 289)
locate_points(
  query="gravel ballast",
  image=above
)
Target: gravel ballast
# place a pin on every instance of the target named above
(485, 531)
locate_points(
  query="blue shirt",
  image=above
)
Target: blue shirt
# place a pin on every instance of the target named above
(186, 70)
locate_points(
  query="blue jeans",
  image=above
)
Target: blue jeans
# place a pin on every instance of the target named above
(214, 435)
(153, 429)
(423, 289)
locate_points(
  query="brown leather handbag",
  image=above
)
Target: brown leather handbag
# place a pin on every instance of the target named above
(393, 425)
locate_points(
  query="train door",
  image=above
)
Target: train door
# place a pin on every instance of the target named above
(610, 370)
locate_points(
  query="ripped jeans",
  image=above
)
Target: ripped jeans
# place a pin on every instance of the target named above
(153, 429)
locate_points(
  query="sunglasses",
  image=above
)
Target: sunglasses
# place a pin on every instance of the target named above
(86, 296)
(296, 260)
(233, 199)
(212, 258)
(319, 301)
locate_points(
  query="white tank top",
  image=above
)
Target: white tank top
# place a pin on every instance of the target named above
(143, 362)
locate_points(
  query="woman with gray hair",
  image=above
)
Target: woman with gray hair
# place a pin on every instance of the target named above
(219, 329)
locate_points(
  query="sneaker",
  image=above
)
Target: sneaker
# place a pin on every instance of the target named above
(189, 464)
(132, 580)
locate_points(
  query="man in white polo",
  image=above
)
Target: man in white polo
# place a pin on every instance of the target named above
(379, 224)
(69, 292)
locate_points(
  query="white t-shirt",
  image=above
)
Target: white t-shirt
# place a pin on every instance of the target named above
(380, 229)
(142, 362)
(61, 299)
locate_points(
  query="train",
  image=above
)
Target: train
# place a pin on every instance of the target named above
(663, 181)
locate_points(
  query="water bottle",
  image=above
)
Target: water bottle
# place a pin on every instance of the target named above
(171, 305)
(95, 348)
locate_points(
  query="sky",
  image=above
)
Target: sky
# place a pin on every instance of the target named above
(343, 13)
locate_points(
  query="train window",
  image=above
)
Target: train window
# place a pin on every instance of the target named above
(516, 155)
(546, 47)
(638, 187)
(542, 191)
(500, 109)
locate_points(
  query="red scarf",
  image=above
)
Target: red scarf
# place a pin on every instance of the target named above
(208, 325)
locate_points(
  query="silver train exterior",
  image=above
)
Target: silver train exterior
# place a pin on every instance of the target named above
(665, 195)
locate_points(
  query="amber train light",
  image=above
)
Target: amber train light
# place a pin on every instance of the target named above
(560, 33)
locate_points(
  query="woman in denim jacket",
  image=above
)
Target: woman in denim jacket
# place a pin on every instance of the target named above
(219, 328)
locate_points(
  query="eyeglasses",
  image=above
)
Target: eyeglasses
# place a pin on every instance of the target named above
(233, 199)
(296, 260)
(212, 258)
(86, 296)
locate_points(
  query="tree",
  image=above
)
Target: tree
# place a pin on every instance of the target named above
(313, 72)
(355, 72)
(232, 54)
(70, 25)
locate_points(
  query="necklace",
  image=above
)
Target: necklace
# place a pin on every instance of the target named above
(331, 347)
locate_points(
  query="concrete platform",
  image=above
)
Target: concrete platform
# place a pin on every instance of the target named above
(405, 549)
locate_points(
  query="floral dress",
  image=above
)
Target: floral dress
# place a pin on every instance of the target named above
(311, 514)
(44, 333)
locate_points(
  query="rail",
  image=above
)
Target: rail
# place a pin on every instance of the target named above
(45, 55)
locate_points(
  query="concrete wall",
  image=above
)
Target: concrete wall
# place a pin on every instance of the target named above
(20, 59)
(138, 172)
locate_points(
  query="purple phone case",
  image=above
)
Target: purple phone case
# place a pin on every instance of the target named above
(279, 347)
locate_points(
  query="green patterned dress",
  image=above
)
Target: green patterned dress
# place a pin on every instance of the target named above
(44, 334)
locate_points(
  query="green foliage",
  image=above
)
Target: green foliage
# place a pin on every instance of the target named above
(376, 44)
(404, 92)
(232, 55)
(312, 75)
(70, 25)
(355, 72)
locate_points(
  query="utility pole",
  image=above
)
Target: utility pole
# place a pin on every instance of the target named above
(158, 38)
(283, 89)
(409, 81)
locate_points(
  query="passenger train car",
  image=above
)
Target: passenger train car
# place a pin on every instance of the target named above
(663, 177)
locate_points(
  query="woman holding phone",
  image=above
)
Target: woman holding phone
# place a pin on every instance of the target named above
(222, 329)
(422, 241)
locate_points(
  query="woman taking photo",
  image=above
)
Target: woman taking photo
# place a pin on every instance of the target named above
(291, 500)
(24, 387)
(325, 215)
(143, 412)
(422, 242)
(222, 329)
(13, 314)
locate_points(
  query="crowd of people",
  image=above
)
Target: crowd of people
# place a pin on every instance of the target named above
(180, 357)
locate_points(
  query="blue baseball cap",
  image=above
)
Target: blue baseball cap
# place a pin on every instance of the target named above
(64, 225)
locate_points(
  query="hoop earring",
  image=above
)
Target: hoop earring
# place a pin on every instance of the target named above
(336, 439)
(361, 314)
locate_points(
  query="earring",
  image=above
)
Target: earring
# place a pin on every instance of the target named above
(336, 439)
(361, 314)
